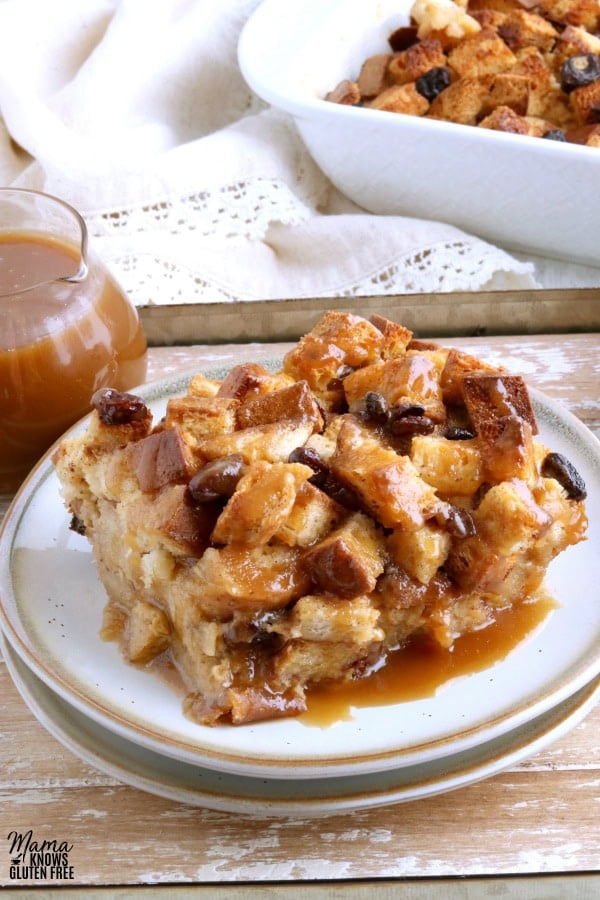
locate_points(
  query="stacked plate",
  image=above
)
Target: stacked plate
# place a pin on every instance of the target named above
(128, 723)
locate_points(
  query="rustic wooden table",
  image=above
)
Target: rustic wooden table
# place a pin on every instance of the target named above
(534, 830)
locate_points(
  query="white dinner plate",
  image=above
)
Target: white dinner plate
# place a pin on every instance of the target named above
(268, 797)
(51, 608)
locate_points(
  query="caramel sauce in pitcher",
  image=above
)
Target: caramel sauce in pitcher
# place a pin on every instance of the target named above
(59, 342)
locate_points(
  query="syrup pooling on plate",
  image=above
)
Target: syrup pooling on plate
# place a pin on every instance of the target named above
(422, 667)
(277, 531)
(417, 670)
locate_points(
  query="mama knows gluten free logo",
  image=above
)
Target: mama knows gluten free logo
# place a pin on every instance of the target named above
(32, 860)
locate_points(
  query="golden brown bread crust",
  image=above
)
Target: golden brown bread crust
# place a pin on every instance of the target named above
(277, 530)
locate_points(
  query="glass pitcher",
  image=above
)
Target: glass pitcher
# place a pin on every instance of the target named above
(66, 328)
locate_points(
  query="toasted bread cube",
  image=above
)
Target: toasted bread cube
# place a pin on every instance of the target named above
(326, 442)
(171, 521)
(363, 381)
(589, 135)
(251, 380)
(337, 340)
(109, 436)
(539, 127)
(319, 363)
(534, 65)
(481, 54)
(348, 561)
(491, 396)
(201, 417)
(346, 92)
(315, 661)
(388, 484)
(569, 522)
(248, 705)
(545, 99)
(201, 386)
(572, 41)
(502, 6)
(457, 365)
(461, 102)
(472, 565)
(161, 458)
(401, 98)
(261, 503)
(583, 13)
(272, 442)
(318, 618)
(357, 338)
(395, 337)
(453, 468)
(313, 515)
(489, 18)
(373, 77)
(243, 579)
(410, 64)
(415, 379)
(507, 449)
(295, 403)
(420, 552)
(509, 519)
(412, 378)
(554, 107)
(507, 89)
(89, 472)
(470, 613)
(503, 118)
(501, 412)
(585, 102)
(148, 633)
(526, 29)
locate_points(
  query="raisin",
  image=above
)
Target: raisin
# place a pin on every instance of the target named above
(118, 408)
(433, 82)
(579, 70)
(311, 458)
(337, 383)
(376, 407)
(406, 420)
(554, 134)
(456, 433)
(216, 479)
(341, 493)
(77, 525)
(403, 38)
(557, 466)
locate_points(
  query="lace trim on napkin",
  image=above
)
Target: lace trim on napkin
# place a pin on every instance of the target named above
(241, 209)
(129, 241)
(450, 266)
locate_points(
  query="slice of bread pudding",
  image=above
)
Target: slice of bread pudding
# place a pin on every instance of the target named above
(281, 530)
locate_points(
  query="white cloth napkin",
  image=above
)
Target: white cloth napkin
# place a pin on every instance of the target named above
(193, 190)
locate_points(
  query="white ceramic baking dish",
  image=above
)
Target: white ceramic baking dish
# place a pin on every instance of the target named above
(524, 193)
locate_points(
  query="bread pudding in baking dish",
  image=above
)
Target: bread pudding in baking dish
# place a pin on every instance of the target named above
(280, 530)
(524, 67)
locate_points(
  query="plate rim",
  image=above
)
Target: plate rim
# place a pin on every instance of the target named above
(521, 743)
